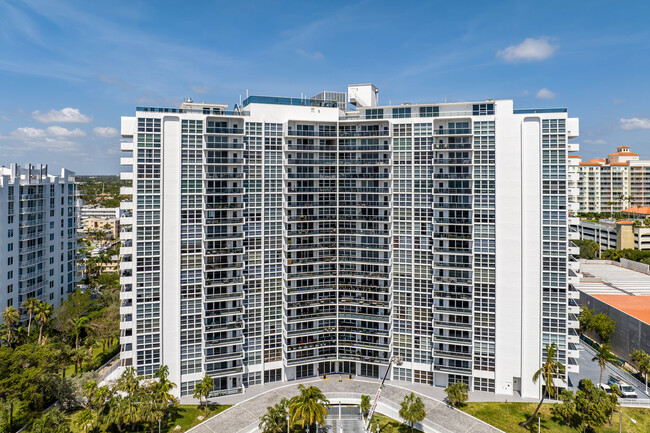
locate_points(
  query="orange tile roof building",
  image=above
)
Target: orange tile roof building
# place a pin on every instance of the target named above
(622, 291)
(610, 184)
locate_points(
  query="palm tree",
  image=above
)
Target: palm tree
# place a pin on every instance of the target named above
(274, 419)
(412, 409)
(203, 389)
(643, 362)
(10, 317)
(78, 323)
(42, 314)
(603, 356)
(309, 407)
(547, 371)
(457, 393)
(163, 388)
(365, 405)
(30, 305)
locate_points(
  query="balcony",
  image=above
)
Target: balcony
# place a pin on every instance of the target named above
(220, 130)
(452, 161)
(374, 133)
(292, 133)
(454, 131)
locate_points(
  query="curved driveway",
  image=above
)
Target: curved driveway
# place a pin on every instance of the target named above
(244, 416)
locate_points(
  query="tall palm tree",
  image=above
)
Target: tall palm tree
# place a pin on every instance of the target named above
(309, 407)
(10, 317)
(163, 388)
(547, 371)
(603, 356)
(78, 324)
(30, 306)
(412, 410)
(42, 314)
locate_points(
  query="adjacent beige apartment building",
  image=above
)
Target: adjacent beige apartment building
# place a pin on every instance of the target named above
(610, 184)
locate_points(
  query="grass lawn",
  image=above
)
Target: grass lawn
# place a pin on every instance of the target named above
(185, 417)
(506, 416)
(389, 425)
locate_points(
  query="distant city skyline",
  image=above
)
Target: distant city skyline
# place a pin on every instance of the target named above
(69, 71)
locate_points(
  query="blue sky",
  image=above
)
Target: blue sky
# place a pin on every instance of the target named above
(69, 70)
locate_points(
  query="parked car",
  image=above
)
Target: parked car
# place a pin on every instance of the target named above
(605, 387)
(627, 390)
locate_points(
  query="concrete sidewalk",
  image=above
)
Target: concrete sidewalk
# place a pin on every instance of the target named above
(244, 416)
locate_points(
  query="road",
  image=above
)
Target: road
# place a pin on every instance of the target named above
(589, 370)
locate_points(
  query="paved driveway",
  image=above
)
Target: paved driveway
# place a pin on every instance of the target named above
(440, 418)
(589, 370)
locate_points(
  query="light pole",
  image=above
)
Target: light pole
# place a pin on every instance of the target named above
(397, 361)
(620, 420)
(159, 423)
(288, 423)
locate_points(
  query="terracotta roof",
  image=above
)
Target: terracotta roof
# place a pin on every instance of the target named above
(599, 159)
(574, 156)
(590, 163)
(625, 222)
(623, 153)
(638, 209)
(618, 163)
(635, 306)
(623, 147)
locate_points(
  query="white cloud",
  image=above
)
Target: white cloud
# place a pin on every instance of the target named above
(316, 55)
(545, 94)
(106, 132)
(529, 50)
(50, 133)
(598, 141)
(65, 115)
(200, 89)
(618, 100)
(635, 123)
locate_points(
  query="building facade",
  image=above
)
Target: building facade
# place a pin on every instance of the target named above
(610, 184)
(289, 238)
(617, 235)
(38, 234)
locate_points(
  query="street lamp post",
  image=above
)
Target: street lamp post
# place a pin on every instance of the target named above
(397, 361)
(288, 423)
(620, 420)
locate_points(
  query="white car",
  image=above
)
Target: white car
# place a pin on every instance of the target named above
(605, 387)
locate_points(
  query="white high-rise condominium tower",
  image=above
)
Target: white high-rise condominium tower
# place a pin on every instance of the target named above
(289, 238)
(38, 235)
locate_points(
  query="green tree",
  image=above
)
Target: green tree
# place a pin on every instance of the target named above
(567, 408)
(603, 326)
(202, 390)
(585, 319)
(30, 305)
(642, 361)
(412, 410)
(548, 371)
(274, 419)
(42, 314)
(603, 357)
(10, 317)
(594, 406)
(309, 407)
(52, 421)
(457, 393)
(162, 391)
(611, 254)
(588, 249)
(365, 405)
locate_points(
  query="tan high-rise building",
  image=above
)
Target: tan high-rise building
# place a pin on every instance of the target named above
(610, 184)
